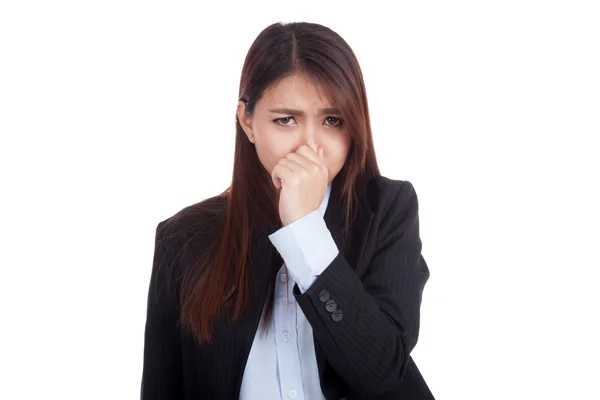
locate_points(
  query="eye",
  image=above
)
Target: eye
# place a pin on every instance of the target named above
(331, 121)
(334, 119)
(282, 121)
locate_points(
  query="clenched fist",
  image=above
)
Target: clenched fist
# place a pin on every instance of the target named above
(302, 179)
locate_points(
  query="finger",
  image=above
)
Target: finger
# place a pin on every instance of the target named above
(297, 164)
(275, 179)
(307, 149)
(309, 153)
(303, 162)
(280, 174)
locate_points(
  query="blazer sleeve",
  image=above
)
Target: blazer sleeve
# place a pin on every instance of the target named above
(368, 327)
(161, 376)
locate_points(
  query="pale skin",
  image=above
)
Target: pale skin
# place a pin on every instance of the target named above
(300, 139)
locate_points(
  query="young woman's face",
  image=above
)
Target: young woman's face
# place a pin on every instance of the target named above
(291, 114)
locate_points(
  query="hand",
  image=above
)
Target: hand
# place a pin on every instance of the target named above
(302, 179)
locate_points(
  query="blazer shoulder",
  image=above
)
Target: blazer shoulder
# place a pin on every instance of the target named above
(386, 193)
(202, 217)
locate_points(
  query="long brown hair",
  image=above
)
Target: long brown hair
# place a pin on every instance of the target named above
(278, 52)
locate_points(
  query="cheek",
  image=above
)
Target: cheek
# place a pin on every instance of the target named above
(271, 148)
(335, 151)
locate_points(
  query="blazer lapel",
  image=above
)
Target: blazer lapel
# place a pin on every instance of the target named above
(352, 244)
(334, 215)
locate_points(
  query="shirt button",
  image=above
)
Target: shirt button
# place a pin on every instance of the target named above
(286, 336)
(292, 394)
(284, 277)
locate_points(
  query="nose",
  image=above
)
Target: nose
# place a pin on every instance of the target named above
(312, 137)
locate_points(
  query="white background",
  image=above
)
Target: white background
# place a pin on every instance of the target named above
(116, 114)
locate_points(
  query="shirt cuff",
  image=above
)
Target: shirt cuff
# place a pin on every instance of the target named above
(307, 248)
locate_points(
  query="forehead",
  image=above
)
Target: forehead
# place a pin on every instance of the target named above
(296, 92)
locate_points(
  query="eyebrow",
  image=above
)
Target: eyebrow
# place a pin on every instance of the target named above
(290, 111)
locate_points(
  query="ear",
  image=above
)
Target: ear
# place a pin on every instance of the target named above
(245, 121)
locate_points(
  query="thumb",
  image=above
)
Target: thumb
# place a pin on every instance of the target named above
(275, 179)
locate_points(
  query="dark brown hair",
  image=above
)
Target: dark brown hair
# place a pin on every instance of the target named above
(279, 51)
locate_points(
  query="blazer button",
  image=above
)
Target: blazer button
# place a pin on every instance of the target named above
(331, 305)
(337, 315)
(324, 296)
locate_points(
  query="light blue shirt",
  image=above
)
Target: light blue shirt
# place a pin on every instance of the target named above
(282, 363)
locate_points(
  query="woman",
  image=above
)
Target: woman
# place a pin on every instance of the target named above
(303, 280)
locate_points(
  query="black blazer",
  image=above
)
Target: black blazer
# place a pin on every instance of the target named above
(362, 348)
